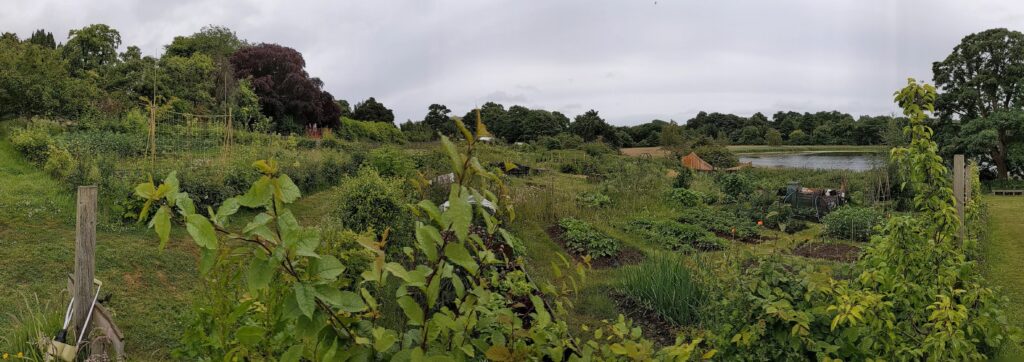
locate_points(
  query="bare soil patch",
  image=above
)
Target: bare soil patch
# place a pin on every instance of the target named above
(655, 328)
(830, 251)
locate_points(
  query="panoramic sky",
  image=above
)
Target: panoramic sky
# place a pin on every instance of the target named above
(631, 60)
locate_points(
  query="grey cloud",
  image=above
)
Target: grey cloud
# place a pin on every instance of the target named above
(632, 61)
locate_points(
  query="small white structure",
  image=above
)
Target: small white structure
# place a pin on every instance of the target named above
(472, 201)
(487, 139)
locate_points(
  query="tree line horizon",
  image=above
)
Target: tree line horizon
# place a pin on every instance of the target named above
(215, 72)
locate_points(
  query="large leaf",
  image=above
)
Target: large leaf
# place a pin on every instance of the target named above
(293, 354)
(428, 240)
(259, 194)
(412, 310)
(458, 254)
(459, 212)
(328, 267)
(288, 191)
(250, 335)
(162, 224)
(201, 231)
(260, 274)
(303, 241)
(351, 302)
(227, 208)
(305, 299)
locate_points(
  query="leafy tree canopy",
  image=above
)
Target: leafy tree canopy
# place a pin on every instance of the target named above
(374, 111)
(91, 48)
(285, 90)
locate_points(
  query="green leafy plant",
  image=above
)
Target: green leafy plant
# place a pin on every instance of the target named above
(852, 222)
(686, 197)
(676, 236)
(593, 199)
(583, 239)
(665, 286)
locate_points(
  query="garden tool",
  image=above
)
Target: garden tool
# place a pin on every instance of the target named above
(58, 346)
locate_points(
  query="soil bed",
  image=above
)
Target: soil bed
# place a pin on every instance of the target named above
(832, 251)
(655, 328)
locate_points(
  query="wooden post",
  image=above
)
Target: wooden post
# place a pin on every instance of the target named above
(85, 252)
(958, 189)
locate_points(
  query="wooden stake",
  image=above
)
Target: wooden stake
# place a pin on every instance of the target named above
(85, 253)
(958, 190)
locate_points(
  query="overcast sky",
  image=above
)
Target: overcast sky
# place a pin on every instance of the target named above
(631, 60)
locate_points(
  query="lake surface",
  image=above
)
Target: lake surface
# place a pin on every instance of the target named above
(854, 161)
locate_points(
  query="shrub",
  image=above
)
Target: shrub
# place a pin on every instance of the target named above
(717, 155)
(390, 162)
(32, 142)
(593, 199)
(595, 149)
(686, 197)
(368, 201)
(60, 164)
(514, 283)
(561, 141)
(583, 239)
(852, 222)
(676, 236)
(778, 213)
(795, 226)
(683, 179)
(735, 184)
(719, 222)
(665, 286)
(370, 131)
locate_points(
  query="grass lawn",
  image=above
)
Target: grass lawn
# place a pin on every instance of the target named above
(152, 290)
(1003, 251)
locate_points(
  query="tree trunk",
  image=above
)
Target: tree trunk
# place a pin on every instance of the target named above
(999, 156)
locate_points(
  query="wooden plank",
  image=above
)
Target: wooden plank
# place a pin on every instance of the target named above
(85, 262)
(958, 190)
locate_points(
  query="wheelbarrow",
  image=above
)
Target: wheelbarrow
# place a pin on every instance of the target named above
(100, 320)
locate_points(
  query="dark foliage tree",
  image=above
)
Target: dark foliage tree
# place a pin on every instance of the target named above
(982, 85)
(438, 120)
(346, 110)
(590, 126)
(42, 38)
(91, 48)
(373, 111)
(285, 90)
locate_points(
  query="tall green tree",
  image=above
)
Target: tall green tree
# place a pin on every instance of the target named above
(590, 126)
(91, 47)
(982, 86)
(438, 120)
(218, 42)
(374, 111)
(35, 81)
(42, 38)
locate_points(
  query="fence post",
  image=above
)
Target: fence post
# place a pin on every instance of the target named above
(85, 248)
(958, 190)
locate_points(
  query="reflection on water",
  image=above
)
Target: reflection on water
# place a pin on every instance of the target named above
(855, 161)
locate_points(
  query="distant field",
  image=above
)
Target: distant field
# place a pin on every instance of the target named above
(640, 151)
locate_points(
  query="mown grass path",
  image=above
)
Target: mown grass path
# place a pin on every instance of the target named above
(1004, 255)
(152, 290)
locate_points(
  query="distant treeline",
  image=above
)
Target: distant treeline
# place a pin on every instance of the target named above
(521, 124)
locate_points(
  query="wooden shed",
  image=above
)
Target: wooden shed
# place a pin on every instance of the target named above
(694, 162)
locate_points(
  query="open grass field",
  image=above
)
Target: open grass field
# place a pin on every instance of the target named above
(1003, 252)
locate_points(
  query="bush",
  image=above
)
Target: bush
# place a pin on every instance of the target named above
(368, 201)
(778, 213)
(32, 142)
(676, 236)
(683, 179)
(852, 222)
(593, 199)
(370, 131)
(717, 155)
(719, 222)
(795, 226)
(390, 162)
(60, 164)
(583, 239)
(686, 197)
(665, 286)
(561, 141)
(595, 149)
(735, 184)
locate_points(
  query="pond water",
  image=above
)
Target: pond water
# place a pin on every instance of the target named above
(854, 161)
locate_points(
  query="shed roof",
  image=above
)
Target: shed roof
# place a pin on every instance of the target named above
(694, 162)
